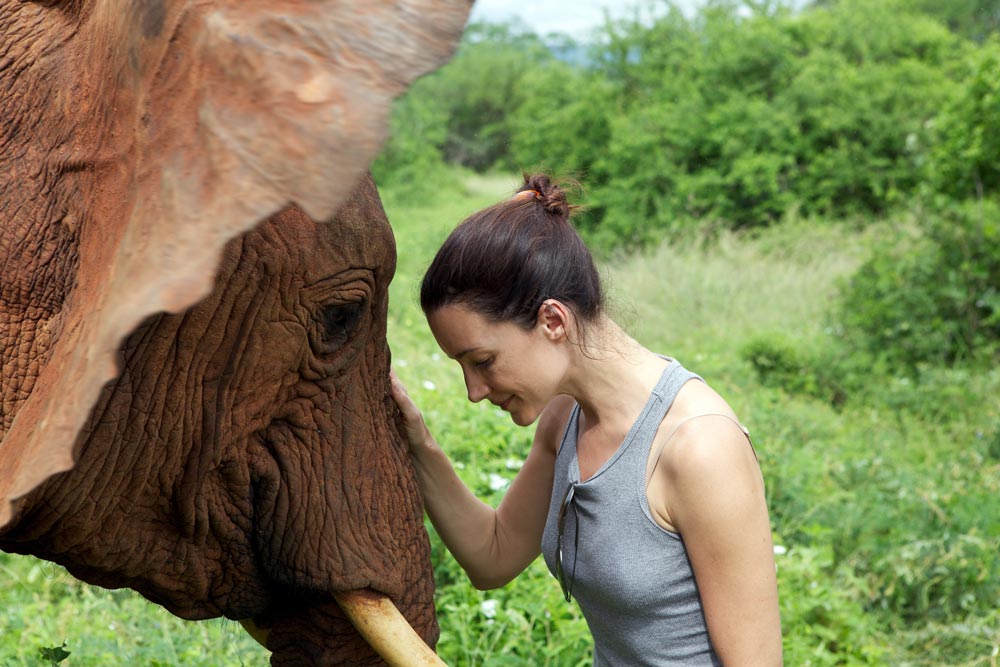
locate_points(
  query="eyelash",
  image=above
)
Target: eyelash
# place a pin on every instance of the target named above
(485, 363)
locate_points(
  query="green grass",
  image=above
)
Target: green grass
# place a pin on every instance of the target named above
(887, 505)
(44, 607)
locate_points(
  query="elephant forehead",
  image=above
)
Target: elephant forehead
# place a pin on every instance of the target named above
(293, 243)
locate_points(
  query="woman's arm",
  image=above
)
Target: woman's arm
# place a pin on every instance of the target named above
(716, 501)
(492, 545)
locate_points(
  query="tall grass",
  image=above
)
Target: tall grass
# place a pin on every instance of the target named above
(887, 506)
(701, 299)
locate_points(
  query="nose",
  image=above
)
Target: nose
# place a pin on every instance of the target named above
(477, 389)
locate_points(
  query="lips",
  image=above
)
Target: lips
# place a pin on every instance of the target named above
(505, 403)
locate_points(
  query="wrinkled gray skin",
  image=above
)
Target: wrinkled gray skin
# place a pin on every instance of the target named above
(246, 462)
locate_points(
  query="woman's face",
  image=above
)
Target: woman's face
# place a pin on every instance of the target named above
(517, 370)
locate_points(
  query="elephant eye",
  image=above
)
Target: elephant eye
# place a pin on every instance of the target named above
(339, 320)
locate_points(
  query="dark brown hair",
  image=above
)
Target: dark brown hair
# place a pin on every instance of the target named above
(504, 261)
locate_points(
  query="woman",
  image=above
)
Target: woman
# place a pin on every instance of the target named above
(641, 488)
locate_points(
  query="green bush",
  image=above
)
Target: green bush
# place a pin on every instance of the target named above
(975, 19)
(461, 115)
(729, 117)
(739, 119)
(942, 578)
(966, 136)
(480, 88)
(563, 123)
(781, 363)
(410, 164)
(929, 297)
(823, 618)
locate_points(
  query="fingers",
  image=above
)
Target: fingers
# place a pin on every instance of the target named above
(400, 395)
(413, 420)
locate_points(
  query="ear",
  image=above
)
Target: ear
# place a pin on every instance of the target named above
(555, 319)
(191, 122)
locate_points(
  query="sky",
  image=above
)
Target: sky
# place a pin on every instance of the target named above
(576, 18)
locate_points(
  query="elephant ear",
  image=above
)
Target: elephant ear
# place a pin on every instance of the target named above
(216, 115)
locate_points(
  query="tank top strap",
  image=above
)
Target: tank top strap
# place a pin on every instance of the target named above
(643, 431)
(568, 440)
(674, 377)
(662, 397)
(660, 400)
(659, 448)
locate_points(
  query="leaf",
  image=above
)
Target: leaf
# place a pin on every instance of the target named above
(54, 654)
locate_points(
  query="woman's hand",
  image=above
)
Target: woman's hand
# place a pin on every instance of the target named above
(413, 421)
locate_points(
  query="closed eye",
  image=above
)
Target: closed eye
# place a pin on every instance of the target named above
(485, 363)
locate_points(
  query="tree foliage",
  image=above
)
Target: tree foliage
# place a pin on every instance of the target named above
(931, 298)
(963, 160)
(758, 114)
(735, 115)
(743, 115)
(974, 19)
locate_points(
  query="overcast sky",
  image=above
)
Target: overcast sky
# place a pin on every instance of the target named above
(576, 18)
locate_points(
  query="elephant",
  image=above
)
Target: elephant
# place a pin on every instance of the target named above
(194, 393)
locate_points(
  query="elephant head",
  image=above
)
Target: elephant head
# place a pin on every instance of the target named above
(191, 409)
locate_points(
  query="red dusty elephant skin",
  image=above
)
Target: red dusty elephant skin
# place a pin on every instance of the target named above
(224, 446)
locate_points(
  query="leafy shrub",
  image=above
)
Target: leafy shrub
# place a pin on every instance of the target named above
(975, 19)
(410, 164)
(933, 297)
(740, 119)
(732, 117)
(971, 641)
(940, 579)
(563, 122)
(460, 114)
(966, 142)
(479, 89)
(823, 620)
(797, 370)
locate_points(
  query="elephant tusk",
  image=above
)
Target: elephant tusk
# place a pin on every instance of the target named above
(258, 633)
(382, 625)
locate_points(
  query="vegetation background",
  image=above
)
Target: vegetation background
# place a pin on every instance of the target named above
(802, 206)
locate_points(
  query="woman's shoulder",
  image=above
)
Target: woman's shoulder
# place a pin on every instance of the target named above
(701, 429)
(698, 397)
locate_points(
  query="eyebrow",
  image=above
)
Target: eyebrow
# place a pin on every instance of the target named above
(464, 352)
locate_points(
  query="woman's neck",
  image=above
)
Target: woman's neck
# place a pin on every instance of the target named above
(611, 377)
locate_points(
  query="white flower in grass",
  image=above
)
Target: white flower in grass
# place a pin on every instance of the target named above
(498, 482)
(436, 357)
(513, 464)
(429, 386)
(780, 550)
(489, 608)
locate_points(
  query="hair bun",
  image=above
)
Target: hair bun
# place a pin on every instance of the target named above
(550, 194)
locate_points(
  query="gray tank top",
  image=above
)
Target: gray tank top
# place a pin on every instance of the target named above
(631, 577)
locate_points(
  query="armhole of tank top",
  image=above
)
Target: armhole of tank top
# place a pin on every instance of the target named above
(659, 449)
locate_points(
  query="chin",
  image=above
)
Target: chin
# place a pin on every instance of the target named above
(522, 418)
